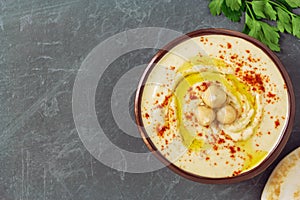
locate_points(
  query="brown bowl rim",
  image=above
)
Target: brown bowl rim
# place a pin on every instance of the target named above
(224, 180)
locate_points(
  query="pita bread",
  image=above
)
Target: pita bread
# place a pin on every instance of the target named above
(284, 182)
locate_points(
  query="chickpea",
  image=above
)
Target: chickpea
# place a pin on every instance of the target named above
(206, 115)
(226, 114)
(214, 97)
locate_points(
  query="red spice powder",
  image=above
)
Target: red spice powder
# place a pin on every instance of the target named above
(147, 115)
(172, 67)
(207, 158)
(277, 123)
(254, 79)
(221, 141)
(250, 59)
(259, 133)
(232, 150)
(240, 64)
(203, 86)
(234, 56)
(165, 102)
(235, 173)
(227, 137)
(229, 45)
(161, 130)
(270, 95)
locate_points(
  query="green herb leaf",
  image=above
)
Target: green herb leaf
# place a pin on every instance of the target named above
(257, 14)
(296, 26)
(233, 15)
(248, 21)
(270, 32)
(283, 2)
(263, 9)
(255, 29)
(269, 36)
(263, 32)
(258, 7)
(284, 21)
(253, 25)
(293, 3)
(273, 47)
(234, 4)
(269, 11)
(215, 7)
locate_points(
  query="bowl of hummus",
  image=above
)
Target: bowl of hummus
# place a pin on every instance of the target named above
(215, 106)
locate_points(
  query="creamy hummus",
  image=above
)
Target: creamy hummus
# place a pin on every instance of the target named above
(218, 112)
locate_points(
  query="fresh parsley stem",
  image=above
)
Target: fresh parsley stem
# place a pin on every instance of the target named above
(257, 15)
(275, 4)
(249, 9)
(282, 7)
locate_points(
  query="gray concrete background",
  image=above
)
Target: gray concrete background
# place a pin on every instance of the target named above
(42, 45)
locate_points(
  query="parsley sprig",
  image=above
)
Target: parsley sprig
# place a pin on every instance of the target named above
(264, 19)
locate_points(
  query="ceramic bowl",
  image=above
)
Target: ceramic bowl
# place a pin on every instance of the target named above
(215, 106)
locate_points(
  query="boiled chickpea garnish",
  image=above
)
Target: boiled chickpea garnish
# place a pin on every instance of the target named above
(226, 114)
(206, 115)
(214, 97)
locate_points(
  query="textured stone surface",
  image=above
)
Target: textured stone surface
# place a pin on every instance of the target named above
(43, 44)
